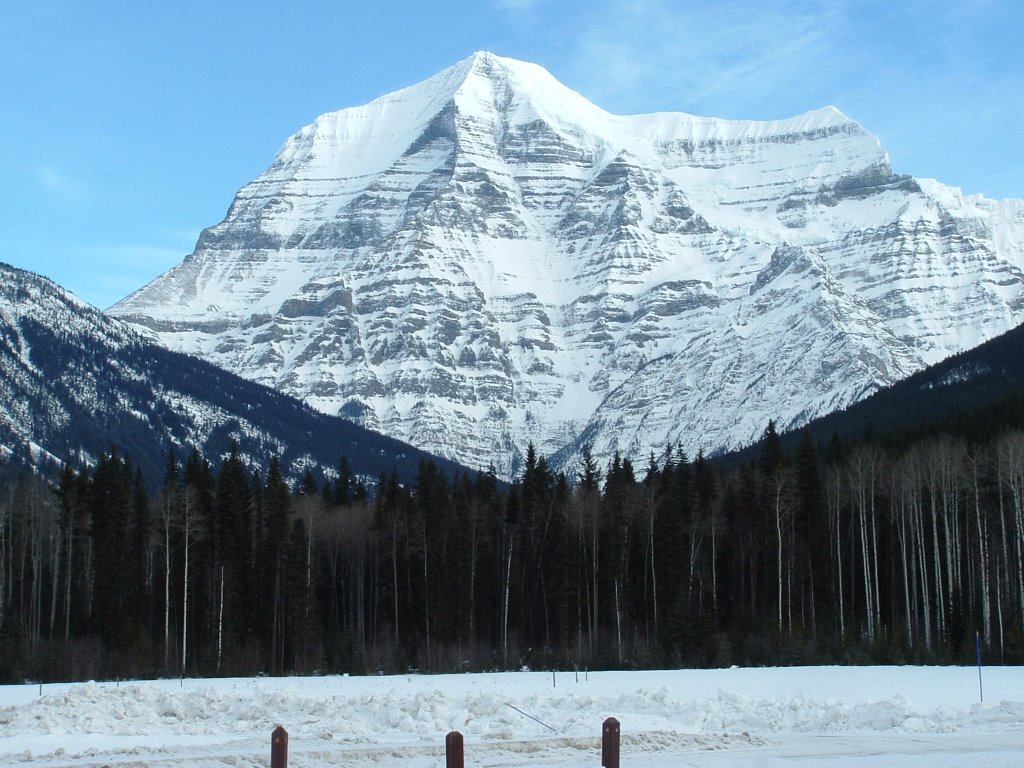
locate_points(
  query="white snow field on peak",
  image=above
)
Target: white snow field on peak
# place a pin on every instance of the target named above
(828, 716)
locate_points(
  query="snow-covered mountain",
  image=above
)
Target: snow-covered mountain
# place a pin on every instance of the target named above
(75, 383)
(485, 259)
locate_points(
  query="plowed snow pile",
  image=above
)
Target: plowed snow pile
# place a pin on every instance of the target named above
(891, 716)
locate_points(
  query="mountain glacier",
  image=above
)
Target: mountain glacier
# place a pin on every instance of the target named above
(486, 259)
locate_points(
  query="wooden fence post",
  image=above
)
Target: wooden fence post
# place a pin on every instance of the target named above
(279, 748)
(454, 754)
(610, 743)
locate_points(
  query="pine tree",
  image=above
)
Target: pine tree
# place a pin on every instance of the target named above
(275, 530)
(140, 571)
(109, 506)
(234, 556)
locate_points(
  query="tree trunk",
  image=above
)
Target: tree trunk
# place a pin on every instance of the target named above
(504, 610)
(983, 565)
(220, 621)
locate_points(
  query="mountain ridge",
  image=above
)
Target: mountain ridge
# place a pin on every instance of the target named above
(76, 383)
(975, 395)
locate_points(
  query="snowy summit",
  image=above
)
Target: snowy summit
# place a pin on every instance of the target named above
(486, 259)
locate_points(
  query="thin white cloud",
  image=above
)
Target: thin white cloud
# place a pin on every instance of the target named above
(732, 58)
(698, 55)
(935, 83)
(61, 184)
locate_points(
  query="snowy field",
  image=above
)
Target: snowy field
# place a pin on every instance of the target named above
(811, 716)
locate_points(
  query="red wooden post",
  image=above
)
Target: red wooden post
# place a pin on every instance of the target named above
(454, 755)
(279, 748)
(610, 743)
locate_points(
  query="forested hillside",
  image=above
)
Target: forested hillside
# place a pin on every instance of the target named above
(74, 383)
(845, 552)
(974, 394)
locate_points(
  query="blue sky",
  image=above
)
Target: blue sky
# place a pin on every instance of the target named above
(127, 127)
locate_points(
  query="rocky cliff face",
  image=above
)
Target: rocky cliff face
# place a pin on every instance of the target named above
(486, 259)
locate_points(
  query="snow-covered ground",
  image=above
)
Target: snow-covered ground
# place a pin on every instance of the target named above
(810, 716)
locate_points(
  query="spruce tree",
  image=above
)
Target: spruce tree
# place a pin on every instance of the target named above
(109, 507)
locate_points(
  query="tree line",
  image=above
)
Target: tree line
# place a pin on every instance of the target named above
(846, 552)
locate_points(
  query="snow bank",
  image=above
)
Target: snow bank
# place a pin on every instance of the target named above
(552, 719)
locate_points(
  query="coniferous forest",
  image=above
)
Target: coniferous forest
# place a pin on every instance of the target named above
(842, 552)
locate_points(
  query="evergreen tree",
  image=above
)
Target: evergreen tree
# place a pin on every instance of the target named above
(308, 485)
(139, 573)
(275, 538)
(234, 549)
(108, 503)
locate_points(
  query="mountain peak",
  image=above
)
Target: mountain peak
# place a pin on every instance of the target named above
(493, 66)
(486, 259)
(486, 61)
(489, 83)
